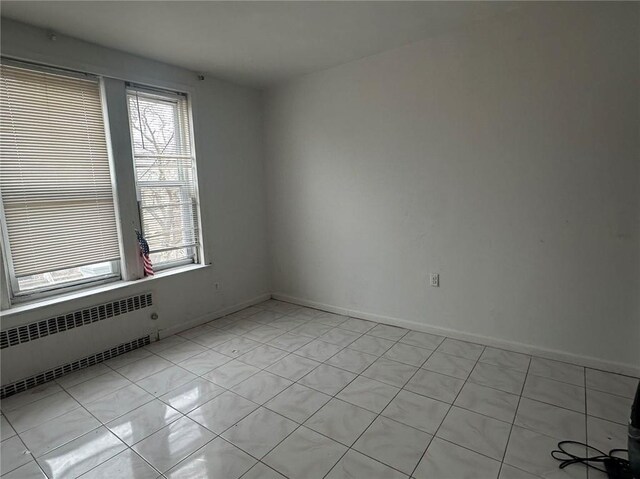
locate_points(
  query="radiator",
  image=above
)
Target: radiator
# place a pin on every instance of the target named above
(44, 350)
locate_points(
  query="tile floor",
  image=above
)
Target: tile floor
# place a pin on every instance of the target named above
(277, 390)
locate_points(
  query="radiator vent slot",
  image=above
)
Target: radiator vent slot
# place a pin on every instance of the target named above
(47, 327)
(51, 374)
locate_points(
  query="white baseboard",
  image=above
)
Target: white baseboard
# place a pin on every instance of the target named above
(587, 361)
(205, 318)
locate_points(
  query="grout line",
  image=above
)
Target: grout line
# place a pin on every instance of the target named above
(447, 414)
(515, 415)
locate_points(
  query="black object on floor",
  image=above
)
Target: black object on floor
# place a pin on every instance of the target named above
(615, 467)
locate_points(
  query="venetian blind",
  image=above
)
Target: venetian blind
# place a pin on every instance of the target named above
(54, 172)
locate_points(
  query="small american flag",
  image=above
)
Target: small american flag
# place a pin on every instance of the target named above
(144, 252)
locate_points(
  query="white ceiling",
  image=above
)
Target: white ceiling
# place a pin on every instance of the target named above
(255, 43)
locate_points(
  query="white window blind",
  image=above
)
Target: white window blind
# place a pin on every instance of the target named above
(165, 175)
(55, 181)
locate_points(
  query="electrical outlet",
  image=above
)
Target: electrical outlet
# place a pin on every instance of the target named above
(216, 286)
(434, 280)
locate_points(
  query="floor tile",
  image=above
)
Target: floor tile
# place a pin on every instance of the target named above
(81, 454)
(127, 464)
(280, 306)
(352, 360)
(423, 340)
(191, 395)
(435, 385)
(30, 470)
(341, 337)
(417, 411)
(58, 431)
(127, 358)
(505, 359)
(297, 402)
(606, 435)
(318, 350)
(474, 431)
(305, 454)
(194, 333)
(6, 431)
(392, 333)
(144, 367)
(120, 402)
(488, 401)
(330, 318)
(611, 383)
(96, 388)
(166, 380)
(171, 444)
(510, 472)
(142, 422)
(341, 421)
(394, 444)
(447, 461)
(608, 406)
(564, 372)
(357, 325)
(262, 471)
(204, 362)
(551, 420)
(222, 412)
(262, 356)
(554, 392)
(289, 342)
(327, 379)
(82, 375)
(266, 317)
(165, 343)
(215, 338)
(354, 465)
(182, 351)
(263, 333)
(390, 372)
(461, 349)
(405, 353)
(231, 373)
(30, 395)
(372, 345)
(507, 380)
(13, 454)
(449, 365)
(236, 347)
(293, 367)
(216, 460)
(261, 387)
(259, 432)
(530, 451)
(311, 329)
(306, 313)
(35, 413)
(287, 323)
(369, 394)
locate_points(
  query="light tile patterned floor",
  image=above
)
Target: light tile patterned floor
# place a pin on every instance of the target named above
(277, 390)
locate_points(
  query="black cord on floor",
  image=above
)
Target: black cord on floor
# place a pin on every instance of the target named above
(615, 467)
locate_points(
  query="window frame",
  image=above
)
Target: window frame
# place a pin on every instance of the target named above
(128, 266)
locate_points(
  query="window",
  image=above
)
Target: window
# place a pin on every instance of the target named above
(68, 217)
(165, 175)
(59, 225)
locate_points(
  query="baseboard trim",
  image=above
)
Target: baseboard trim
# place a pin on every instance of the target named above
(205, 318)
(587, 361)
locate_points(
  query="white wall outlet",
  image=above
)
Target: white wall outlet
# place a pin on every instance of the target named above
(217, 285)
(434, 280)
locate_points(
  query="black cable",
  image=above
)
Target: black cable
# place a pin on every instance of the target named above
(610, 460)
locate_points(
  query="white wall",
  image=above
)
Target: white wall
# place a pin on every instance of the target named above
(229, 150)
(506, 158)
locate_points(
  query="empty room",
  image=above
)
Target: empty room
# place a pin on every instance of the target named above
(320, 239)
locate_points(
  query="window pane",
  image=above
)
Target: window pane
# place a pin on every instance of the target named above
(65, 276)
(165, 175)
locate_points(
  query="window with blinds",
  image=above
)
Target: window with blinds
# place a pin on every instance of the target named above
(59, 225)
(165, 175)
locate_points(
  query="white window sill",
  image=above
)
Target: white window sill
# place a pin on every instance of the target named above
(21, 308)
